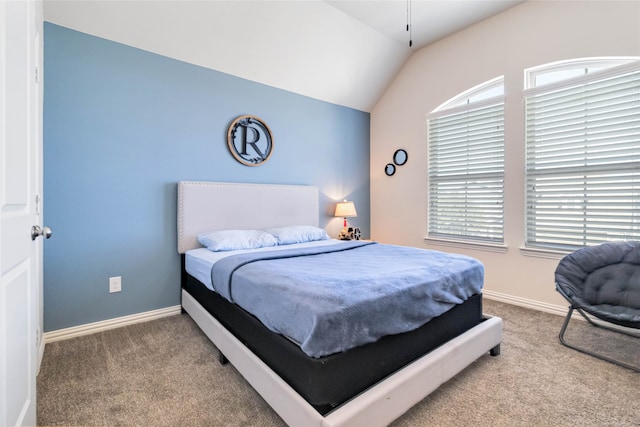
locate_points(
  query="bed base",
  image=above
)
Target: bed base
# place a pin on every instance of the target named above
(377, 406)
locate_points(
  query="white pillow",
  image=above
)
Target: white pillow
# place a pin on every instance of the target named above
(231, 240)
(298, 234)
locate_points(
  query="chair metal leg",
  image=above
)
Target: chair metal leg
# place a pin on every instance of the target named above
(585, 351)
(600, 325)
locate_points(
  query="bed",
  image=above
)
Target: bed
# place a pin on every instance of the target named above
(370, 383)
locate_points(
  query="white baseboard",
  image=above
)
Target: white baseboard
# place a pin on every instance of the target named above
(92, 328)
(118, 322)
(554, 309)
(526, 303)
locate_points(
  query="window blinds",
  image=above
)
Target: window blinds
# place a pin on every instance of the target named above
(466, 173)
(583, 160)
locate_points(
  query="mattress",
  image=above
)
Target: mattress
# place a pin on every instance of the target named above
(329, 381)
(335, 297)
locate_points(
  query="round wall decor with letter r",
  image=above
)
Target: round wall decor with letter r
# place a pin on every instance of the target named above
(250, 140)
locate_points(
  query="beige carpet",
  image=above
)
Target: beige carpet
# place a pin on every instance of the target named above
(165, 373)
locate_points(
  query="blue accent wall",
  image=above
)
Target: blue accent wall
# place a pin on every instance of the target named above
(122, 126)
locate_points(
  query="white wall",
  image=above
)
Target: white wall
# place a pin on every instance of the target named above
(534, 33)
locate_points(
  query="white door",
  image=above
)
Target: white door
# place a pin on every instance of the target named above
(20, 187)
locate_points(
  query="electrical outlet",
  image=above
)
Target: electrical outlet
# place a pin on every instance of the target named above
(115, 284)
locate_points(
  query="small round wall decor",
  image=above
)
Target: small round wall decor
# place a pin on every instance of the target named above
(400, 157)
(390, 169)
(250, 140)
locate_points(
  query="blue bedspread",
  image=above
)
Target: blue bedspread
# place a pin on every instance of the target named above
(331, 298)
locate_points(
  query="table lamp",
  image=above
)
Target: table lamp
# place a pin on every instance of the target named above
(345, 209)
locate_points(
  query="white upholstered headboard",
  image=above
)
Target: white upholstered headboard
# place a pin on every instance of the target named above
(208, 206)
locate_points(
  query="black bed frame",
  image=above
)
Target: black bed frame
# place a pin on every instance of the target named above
(329, 381)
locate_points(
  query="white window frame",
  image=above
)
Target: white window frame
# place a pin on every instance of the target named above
(588, 65)
(475, 182)
(597, 200)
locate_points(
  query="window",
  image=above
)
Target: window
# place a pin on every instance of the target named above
(583, 153)
(466, 166)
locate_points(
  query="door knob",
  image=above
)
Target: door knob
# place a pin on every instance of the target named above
(36, 231)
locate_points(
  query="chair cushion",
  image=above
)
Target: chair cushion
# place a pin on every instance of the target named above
(604, 280)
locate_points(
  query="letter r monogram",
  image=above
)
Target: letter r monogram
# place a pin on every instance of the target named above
(249, 140)
(254, 143)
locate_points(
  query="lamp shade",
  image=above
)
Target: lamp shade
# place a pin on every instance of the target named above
(346, 209)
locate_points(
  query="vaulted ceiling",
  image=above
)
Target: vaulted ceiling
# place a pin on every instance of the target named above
(345, 52)
(428, 20)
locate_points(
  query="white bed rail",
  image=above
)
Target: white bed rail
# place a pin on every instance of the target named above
(377, 406)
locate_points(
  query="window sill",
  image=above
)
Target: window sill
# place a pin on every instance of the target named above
(543, 253)
(489, 247)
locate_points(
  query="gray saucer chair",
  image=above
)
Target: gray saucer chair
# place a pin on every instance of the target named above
(603, 281)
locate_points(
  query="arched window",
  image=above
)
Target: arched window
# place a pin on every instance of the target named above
(582, 152)
(465, 138)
